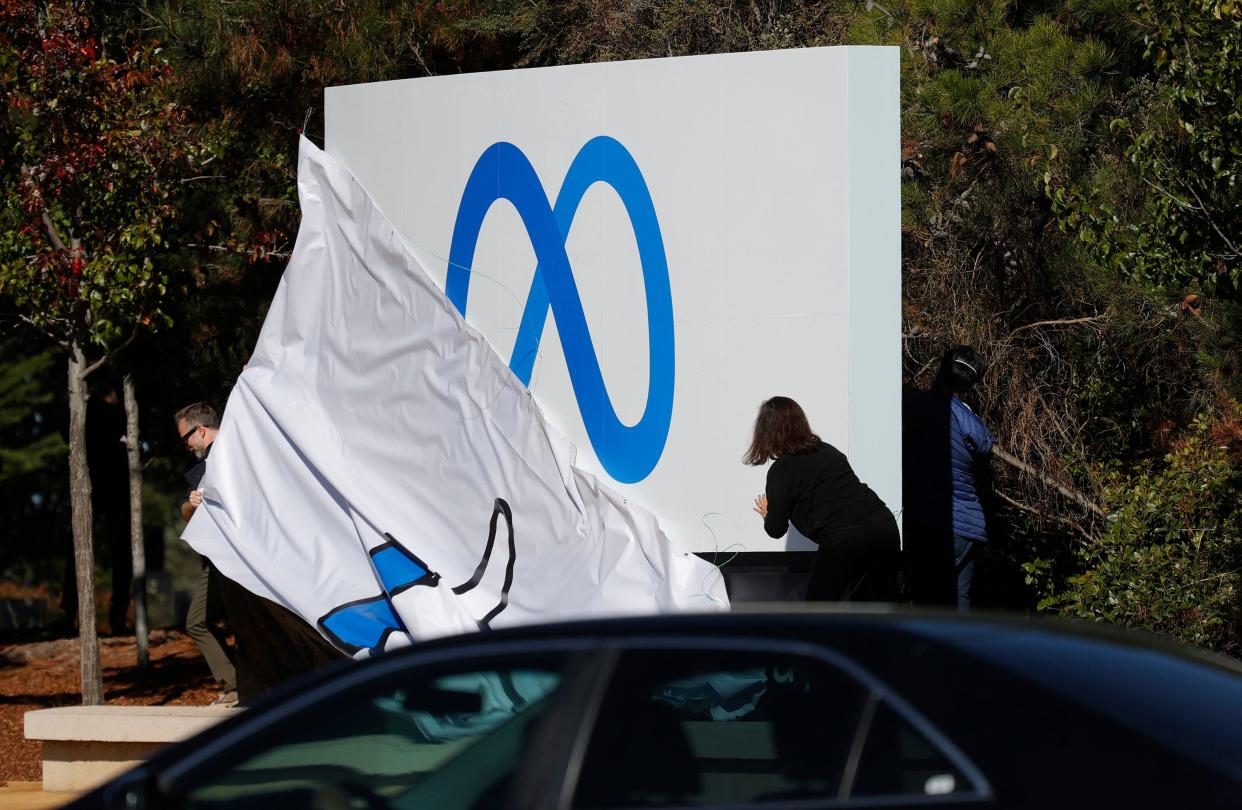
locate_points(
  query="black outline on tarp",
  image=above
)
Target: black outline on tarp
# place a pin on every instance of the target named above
(499, 508)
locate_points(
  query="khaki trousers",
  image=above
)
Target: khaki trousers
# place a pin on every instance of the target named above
(201, 626)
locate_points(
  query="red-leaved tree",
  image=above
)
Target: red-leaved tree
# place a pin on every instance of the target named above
(95, 154)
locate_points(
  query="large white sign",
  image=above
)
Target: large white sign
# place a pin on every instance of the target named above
(656, 247)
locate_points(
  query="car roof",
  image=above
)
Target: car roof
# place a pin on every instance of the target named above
(795, 618)
(824, 623)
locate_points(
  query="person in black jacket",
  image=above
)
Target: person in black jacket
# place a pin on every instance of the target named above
(198, 425)
(811, 485)
(271, 643)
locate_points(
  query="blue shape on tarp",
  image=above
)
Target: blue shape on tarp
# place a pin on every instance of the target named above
(627, 453)
(362, 625)
(366, 623)
(397, 570)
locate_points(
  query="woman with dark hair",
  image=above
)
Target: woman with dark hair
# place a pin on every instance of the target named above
(811, 485)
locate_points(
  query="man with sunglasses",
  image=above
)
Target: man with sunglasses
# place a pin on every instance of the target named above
(198, 425)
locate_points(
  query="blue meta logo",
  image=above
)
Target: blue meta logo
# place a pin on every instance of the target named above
(627, 452)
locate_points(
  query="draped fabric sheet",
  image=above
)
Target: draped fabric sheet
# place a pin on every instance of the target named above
(383, 474)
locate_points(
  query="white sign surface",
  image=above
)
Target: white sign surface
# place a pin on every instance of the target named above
(656, 247)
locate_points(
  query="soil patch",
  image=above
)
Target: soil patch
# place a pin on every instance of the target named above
(44, 674)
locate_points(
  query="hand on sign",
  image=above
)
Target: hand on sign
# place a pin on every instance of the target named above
(761, 505)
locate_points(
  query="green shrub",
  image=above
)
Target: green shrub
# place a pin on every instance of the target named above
(1169, 560)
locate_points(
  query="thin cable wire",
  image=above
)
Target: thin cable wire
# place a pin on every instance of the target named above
(418, 251)
(717, 567)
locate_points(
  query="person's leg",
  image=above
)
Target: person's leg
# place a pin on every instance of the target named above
(199, 628)
(261, 627)
(836, 574)
(235, 604)
(882, 559)
(215, 616)
(964, 555)
(825, 583)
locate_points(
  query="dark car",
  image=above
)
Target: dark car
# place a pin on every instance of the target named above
(807, 709)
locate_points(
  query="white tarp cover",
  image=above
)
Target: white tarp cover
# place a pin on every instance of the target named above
(381, 472)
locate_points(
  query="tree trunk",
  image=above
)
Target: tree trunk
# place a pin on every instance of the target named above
(82, 520)
(135, 518)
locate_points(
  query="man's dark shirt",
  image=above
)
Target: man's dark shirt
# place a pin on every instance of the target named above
(194, 475)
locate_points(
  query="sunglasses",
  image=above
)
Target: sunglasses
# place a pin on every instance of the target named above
(185, 437)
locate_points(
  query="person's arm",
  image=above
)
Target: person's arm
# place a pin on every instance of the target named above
(191, 502)
(976, 436)
(981, 468)
(776, 515)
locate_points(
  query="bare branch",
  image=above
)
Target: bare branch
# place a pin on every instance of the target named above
(872, 4)
(1076, 497)
(417, 51)
(1204, 213)
(64, 344)
(52, 233)
(271, 254)
(1058, 322)
(1221, 575)
(1200, 211)
(108, 357)
(1032, 510)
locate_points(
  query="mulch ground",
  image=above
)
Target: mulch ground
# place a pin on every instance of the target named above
(44, 674)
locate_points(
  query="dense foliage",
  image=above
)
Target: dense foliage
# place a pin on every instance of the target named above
(1170, 558)
(1071, 207)
(32, 463)
(95, 153)
(1176, 151)
(27, 444)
